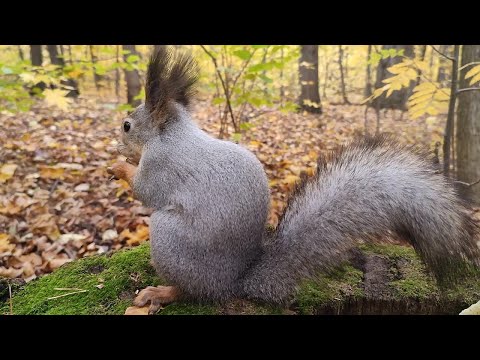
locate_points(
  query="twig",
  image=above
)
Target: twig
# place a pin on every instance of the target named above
(225, 89)
(52, 189)
(444, 55)
(467, 65)
(467, 89)
(467, 184)
(71, 293)
(66, 289)
(10, 295)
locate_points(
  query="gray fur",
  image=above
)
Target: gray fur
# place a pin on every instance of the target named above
(369, 188)
(203, 232)
(211, 198)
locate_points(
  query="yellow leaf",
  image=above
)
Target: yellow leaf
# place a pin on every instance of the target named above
(50, 172)
(56, 97)
(7, 171)
(140, 235)
(5, 245)
(475, 79)
(472, 72)
(27, 77)
(291, 179)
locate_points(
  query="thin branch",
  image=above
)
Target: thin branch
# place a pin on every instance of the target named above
(243, 68)
(467, 65)
(467, 184)
(67, 294)
(227, 94)
(467, 89)
(444, 55)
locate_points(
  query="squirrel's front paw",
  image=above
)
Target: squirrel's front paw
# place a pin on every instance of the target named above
(122, 170)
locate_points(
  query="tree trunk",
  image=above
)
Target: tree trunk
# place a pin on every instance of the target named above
(443, 63)
(342, 76)
(55, 59)
(96, 77)
(20, 52)
(423, 52)
(117, 73)
(450, 125)
(132, 78)
(368, 80)
(70, 84)
(36, 59)
(70, 54)
(36, 55)
(282, 88)
(398, 99)
(468, 128)
(308, 75)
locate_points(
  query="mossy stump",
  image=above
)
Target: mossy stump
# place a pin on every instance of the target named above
(380, 279)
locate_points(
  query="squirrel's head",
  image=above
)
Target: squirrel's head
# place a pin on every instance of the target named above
(171, 77)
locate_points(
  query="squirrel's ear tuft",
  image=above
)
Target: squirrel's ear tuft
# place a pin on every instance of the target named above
(171, 76)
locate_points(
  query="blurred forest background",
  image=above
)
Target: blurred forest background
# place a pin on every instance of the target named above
(61, 108)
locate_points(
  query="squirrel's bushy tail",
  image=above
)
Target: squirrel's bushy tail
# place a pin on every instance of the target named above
(369, 188)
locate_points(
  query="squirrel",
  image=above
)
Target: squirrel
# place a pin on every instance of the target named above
(211, 200)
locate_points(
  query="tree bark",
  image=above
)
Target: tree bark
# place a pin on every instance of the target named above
(450, 125)
(56, 59)
(36, 55)
(96, 77)
(132, 78)
(308, 75)
(342, 75)
(368, 80)
(468, 128)
(20, 52)
(397, 100)
(443, 63)
(117, 73)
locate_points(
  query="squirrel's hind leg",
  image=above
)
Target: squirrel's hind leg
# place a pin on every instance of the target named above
(156, 296)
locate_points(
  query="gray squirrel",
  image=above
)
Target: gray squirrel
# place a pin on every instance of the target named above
(211, 200)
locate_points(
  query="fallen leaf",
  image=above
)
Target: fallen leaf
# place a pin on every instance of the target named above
(52, 172)
(7, 171)
(5, 245)
(140, 235)
(56, 263)
(10, 272)
(109, 235)
(82, 187)
(65, 238)
(134, 310)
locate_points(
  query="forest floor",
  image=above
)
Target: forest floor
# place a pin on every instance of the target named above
(57, 204)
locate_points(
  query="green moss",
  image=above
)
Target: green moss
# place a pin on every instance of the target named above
(344, 282)
(391, 251)
(110, 284)
(111, 281)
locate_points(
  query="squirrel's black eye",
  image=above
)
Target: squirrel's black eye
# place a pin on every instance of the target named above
(126, 126)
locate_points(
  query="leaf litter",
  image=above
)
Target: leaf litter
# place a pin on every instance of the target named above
(57, 205)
